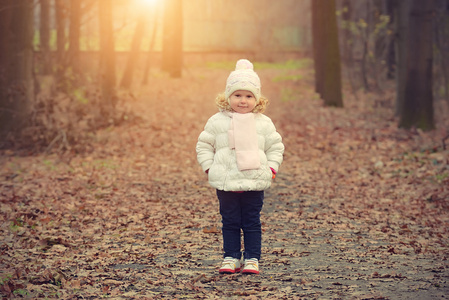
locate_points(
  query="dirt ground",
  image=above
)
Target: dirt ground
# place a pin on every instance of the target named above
(359, 209)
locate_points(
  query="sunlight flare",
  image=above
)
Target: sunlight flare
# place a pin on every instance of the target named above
(147, 3)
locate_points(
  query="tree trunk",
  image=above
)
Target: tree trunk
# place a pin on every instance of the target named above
(74, 36)
(149, 56)
(172, 39)
(107, 56)
(44, 35)
(5, 43)
(402, 11)
(441, 60)
(5, 56)
(16, 64)
(317, 39)
(417, 110)
(327, 52)
(60, 63)
(365, 54)
(60, 29)
(391, 58)
(346, 33)
(133, 57)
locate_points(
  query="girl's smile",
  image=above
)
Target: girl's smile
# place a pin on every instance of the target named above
(242, 101)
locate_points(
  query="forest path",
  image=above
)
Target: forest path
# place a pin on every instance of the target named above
(359, 209)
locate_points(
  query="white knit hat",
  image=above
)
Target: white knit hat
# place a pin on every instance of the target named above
(243, 78)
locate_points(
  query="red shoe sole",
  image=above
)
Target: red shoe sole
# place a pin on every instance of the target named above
(228, 271)
(250, 272)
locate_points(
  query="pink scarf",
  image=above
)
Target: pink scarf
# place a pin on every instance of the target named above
(243, 137)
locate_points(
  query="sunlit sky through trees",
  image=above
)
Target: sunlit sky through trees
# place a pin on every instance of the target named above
(146, 3)
(207, 25)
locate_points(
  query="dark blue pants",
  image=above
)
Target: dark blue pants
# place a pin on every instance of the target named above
(241, 211)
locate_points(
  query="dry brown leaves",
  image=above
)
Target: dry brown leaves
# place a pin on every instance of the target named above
(359, 209)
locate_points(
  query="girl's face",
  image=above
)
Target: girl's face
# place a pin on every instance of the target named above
(242, 102)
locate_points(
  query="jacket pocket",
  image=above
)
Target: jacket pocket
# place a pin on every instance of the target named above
(263, 173)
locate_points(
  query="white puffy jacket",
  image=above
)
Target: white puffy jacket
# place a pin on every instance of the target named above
(215, 155)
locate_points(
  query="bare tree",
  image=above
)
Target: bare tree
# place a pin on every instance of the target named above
(402, 14)
(317, 38)
(5, 53)
(391, 55)
(150, 50)
(74, 36)
(415, 76)
(107, 55)
(441, 62)
(44, 36)
(326, 52)
(16, 59)
(60, 37)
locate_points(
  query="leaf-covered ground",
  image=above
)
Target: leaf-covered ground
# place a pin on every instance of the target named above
(359, 210)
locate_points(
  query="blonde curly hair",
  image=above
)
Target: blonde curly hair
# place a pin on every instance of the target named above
(223, 104)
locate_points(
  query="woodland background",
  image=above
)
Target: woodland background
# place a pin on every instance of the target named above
(101, 103)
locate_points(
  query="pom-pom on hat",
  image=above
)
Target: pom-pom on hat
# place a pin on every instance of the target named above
(243, 78)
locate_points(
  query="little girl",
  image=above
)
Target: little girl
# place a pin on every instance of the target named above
(241, 151)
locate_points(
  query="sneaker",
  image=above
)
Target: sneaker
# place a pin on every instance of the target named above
(230, 265)
(251, 266)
